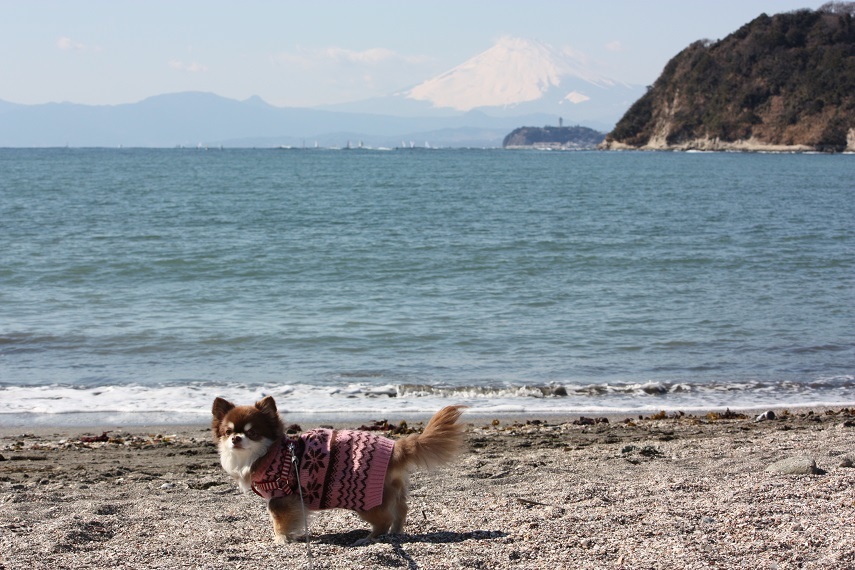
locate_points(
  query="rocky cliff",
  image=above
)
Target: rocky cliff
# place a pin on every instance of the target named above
(782, 83)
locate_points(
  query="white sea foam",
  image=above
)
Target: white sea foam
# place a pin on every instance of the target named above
(191, 403)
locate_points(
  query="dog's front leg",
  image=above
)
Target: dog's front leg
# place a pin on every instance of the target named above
(286, 516)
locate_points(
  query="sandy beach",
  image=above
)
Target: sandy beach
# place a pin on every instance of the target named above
(667, 491)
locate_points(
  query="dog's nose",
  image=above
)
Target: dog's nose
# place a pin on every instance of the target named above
(236, 439)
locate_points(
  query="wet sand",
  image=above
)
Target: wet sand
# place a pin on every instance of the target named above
(667, 491)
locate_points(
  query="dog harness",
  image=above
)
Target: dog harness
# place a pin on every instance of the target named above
(338, 469)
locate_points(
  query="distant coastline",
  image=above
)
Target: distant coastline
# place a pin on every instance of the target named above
(717, 145)
(553, 138)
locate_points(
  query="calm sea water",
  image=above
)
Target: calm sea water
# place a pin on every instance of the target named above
(139, 284)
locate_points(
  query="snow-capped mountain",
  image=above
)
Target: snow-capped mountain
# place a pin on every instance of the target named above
(515, 78)
(512, 72)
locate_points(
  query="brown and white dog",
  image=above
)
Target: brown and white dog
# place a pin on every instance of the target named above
(322, 469)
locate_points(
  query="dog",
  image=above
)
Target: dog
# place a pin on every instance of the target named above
(323, 468)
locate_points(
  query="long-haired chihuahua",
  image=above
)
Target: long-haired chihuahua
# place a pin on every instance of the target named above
(324, 468)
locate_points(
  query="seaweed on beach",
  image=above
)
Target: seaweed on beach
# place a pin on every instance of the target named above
(726, 415)
(663, 415)
(383, 425)
(95, 439)
(584, 421)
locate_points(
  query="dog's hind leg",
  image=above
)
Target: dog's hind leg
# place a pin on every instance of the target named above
(380, 520)
(390, 515)
(396, 489)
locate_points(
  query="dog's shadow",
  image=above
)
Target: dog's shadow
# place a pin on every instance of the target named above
(397, 541)
(348, 538)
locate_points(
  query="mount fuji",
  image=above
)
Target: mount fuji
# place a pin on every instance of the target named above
(516, 77)
(511, 72)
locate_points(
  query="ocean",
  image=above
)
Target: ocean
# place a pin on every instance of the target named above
(138, 284)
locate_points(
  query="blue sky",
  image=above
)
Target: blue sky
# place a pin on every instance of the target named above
(322, 52)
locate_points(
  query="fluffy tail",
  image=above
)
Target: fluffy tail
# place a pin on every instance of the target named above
(439, 443)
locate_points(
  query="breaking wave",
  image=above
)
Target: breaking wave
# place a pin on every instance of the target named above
(190, 403)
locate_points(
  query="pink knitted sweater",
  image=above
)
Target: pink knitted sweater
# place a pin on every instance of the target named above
(338, 469)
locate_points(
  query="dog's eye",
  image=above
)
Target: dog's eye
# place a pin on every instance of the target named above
(251, 433)
(229, 431)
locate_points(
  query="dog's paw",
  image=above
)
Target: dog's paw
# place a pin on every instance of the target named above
(281, 539)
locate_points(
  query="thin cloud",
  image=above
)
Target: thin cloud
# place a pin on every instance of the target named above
(192, 67)
(334, 54)
(614, 46)
(349, 75)
(65, 43)
(369, 56)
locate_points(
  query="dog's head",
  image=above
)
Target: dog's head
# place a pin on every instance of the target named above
(246, 431)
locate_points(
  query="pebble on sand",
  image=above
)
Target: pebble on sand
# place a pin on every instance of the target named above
(795, 466)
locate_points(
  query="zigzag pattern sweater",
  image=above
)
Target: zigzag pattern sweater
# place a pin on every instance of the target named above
(338, 469)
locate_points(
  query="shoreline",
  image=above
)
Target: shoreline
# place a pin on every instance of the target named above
(669, 490)
(53, 423)
(707, 144)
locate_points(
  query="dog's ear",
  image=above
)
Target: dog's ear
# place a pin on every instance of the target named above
(221, 408)
(267, 406)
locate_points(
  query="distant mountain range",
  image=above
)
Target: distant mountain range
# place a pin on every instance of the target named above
(516, 82)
